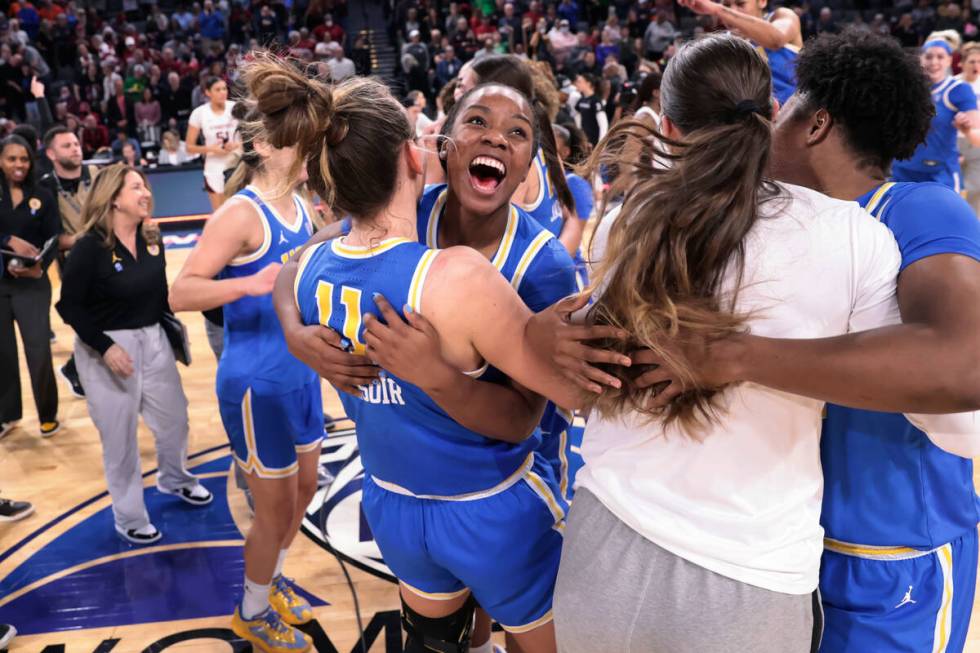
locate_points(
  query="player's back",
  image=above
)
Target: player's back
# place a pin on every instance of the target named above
(407, 442)
(885, 482)
(255, 353)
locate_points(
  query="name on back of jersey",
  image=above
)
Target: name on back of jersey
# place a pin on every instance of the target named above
(382, 391)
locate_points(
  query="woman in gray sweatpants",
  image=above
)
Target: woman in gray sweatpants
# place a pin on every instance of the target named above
(114, 295)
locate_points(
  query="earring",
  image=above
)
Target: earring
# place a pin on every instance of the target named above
(442, 154)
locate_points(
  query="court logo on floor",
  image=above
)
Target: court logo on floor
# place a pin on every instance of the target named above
(335, 519)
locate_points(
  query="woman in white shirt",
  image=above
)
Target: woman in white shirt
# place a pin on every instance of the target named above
(215, 121)
(697, 529)
(173, 152)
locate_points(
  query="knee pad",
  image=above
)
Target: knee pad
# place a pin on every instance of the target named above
(449, 634)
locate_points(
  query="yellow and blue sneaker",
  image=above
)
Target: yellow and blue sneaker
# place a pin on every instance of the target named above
(293, 610)
(267, 633)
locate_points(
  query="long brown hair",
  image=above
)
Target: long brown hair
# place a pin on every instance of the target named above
(682, 225)
(348, 136)
(97, 212)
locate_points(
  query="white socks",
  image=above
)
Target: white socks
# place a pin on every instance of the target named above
(487, 647)
(282, 558)
(255, 601)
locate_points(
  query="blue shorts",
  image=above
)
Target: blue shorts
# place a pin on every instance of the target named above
(939, 174)
(898, 600)
(556, 425)
(267, 431)
(505, 547)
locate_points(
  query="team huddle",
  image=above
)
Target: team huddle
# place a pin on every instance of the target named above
(740, 323)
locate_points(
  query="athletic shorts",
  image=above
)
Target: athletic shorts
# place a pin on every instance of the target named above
(556, 446)
(896, 599)
(214, 182)
(939, 174)
(267, 431)
(505, 547)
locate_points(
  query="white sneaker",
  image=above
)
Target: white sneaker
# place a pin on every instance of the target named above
(146, 535)
(6, 428)
(7, 634)
(198, 495)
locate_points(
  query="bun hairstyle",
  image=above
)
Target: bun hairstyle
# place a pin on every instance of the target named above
(347, 136)
(680, 233)
(510, 70)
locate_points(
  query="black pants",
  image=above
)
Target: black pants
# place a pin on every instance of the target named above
(28, 302)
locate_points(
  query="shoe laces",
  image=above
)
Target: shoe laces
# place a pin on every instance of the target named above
(284, 588)
(276, 624)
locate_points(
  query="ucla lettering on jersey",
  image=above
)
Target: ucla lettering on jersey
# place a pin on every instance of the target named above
(255, 353)
(542, 272)
(408, 443)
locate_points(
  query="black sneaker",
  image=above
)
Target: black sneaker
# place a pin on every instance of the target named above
(70, 375)
(198, 495)
(7, 634)
(14, 510)
(146, 535)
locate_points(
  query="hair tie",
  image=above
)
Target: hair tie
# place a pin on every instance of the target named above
(336, 131)
(745, 107)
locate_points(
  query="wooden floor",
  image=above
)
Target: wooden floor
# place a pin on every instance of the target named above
(61, 474)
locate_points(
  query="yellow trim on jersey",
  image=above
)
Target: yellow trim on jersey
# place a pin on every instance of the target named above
(253, 465)
(543, 189)
(303, 260)
(532, 250)
(507, 242)
(508, 482)
(542, 490)
(432, 229)
(945, 617)
(478, 372)
(548, 616)
(563, 461)
(870, 551)
(418, 280)
(793, 48)
(266, 237)
(307, 448)
(876, 198)
(434, 596)
(278, 216)
(365, 251)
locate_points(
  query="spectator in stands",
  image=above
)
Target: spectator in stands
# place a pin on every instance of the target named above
(415, 62)
(826, 23)
(122, 139)
(330, 31)
(905, 32)
(148, 117)
(114, 295)
(568, 10)
(658, 36)
(95, 137)
(211, 24)
(340, 66)
(175, 99)
(415, 107)
(561, 42)
(267, 25)
(447, 67)
(29, 212)
(173, 151)
(590, 112)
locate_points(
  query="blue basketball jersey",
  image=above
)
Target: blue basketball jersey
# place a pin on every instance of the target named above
(541, 271)
(885, 482)
(407, 442)
(546, 208)
(782, 63)
(950, 96)
(255, 353)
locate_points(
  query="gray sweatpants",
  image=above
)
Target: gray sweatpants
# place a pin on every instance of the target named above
(618, 591)
(114, 404)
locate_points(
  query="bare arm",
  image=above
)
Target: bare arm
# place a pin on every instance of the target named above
(412, 351)
(233, 230)
(929, 364)
(783, 30)
(192, 146)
